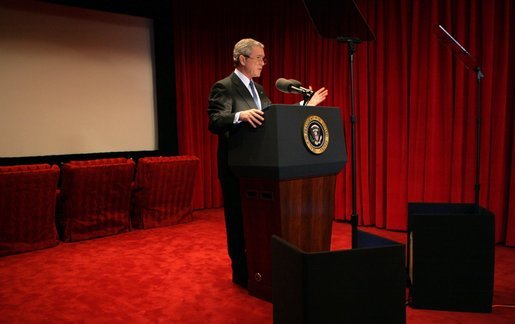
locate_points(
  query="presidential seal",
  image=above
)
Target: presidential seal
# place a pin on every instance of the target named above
(316, 134)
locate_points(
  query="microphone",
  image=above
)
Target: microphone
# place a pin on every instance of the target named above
(291, 86)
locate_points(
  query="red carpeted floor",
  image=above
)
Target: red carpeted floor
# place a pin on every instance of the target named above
(175, 274)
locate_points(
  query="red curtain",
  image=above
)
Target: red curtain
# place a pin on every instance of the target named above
(416, 102)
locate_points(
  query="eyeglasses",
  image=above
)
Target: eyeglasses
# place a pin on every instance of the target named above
(261, 59)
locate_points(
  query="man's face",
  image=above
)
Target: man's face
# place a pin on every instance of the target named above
(253, 64)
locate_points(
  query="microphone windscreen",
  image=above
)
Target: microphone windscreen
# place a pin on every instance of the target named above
(283, 85)
(295, 83)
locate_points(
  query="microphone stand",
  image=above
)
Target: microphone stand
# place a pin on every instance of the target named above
(351, 42)
(472, 64)
(306, 93)
(480, 75)
(306, 97)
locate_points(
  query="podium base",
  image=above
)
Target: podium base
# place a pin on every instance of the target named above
(300, 211)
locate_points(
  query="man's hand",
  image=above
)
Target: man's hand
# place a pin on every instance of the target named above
(252, 116)
(318, 96)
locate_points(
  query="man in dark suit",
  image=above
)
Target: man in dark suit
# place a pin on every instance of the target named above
(233, 100)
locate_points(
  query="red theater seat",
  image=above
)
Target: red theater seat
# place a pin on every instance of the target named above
(27, 207)
(95, 198)
(163, 191)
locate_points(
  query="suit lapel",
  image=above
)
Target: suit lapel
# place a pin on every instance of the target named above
(242, 91)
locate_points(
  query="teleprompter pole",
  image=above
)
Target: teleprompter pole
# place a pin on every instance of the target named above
(351, 42)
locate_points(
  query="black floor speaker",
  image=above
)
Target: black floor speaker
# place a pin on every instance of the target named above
(451, 252)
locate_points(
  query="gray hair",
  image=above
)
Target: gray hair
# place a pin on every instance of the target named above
(244, 47)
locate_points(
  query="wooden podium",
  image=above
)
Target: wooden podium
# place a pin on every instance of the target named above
(287, 170)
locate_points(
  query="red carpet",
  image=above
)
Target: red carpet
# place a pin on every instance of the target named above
(175, 274)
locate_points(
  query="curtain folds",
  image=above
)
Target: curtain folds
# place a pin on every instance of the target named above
(416, 102)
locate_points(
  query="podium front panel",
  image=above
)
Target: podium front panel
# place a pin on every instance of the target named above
(278, 149)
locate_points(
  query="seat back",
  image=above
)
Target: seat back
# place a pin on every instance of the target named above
(95, 198)
(27, 207)
(163, 191)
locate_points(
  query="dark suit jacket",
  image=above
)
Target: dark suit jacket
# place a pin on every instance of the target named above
(229, 96)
